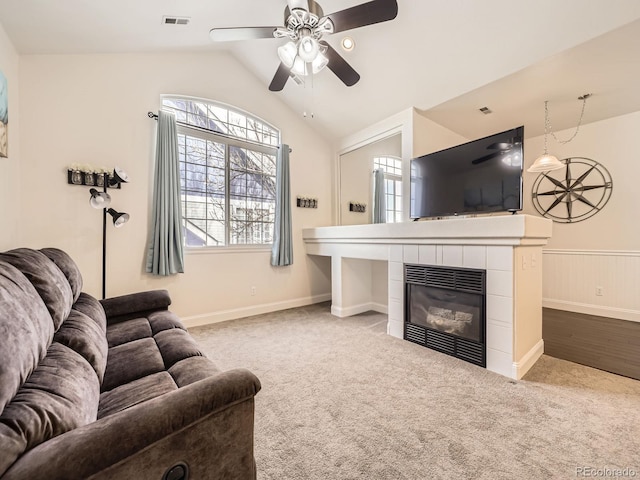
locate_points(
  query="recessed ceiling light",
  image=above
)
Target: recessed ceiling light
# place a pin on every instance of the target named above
(348, 44)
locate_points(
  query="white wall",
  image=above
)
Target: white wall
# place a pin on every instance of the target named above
(93, 109)
(429, 136)
(604, 250)
(10, 167)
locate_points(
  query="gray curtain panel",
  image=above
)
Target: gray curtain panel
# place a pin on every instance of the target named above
(166, 252)
(379, 204)
(282, 250)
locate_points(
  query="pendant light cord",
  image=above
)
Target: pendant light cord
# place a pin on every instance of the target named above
(547, 122)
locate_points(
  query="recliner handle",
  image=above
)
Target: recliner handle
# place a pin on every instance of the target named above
(180, 471)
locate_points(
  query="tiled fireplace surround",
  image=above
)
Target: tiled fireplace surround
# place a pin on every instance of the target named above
(509, 248)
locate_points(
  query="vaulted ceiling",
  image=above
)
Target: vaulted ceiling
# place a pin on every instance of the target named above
(447, 58)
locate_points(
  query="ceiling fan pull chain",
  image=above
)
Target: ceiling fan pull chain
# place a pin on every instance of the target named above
(563, 142)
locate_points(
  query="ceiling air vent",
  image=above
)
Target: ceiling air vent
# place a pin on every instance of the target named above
(486, 110)
(166, 20)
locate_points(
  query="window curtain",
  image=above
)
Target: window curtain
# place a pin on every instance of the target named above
(379, 204)
(165, 255)
(282, 250)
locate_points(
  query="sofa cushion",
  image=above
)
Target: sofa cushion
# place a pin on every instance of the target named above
(130, 361)
(91, 308)
(84, 336)
(124, 332)
(135, 392)
(48, 280)
(192, 369)
(61, 394)
(164, 320)
(68, 267)
(175, 345)
(26, 330)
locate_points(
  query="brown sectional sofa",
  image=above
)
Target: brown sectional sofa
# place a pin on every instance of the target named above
(115, 389)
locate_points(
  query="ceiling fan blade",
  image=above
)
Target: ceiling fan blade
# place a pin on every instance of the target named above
(340, 67)
(232, 34)
(280, 78)
(490, 156)
(365, 14)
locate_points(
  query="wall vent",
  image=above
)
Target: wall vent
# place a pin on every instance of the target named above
(166, 20)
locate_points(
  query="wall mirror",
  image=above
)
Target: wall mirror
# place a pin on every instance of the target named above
(356, 180)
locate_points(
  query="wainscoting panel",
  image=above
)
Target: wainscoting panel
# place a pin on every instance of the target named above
(595, 282)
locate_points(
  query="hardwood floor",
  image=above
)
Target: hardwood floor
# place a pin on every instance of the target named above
(604, 343)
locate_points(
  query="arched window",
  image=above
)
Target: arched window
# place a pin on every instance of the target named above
(392, 168)
(227, 173)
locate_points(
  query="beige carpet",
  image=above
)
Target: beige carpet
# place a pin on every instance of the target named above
(340, 399)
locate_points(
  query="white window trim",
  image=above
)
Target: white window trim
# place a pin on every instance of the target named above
(231, 140)
(393, 177)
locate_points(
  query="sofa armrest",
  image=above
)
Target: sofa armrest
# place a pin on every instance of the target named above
(208, 425)
(127, 306)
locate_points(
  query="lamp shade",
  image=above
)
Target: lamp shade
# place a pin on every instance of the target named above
(119, 176)
(308, 48)
(287, 53)
(99, 199)
(119, 218)
(545, 163)
(299, 67)
(319, 63)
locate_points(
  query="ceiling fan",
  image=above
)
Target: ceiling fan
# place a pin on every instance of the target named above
(304, 25)
(503, 149)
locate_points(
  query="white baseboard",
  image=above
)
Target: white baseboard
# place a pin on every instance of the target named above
(588, 309)
(518, 369)
(380, 308)
(357, 309)
(232, 314)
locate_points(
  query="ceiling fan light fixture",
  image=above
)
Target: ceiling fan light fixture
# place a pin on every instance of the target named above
(308, 48)
(325, 25)
(319, 63)
(287, 53)
(299, 67)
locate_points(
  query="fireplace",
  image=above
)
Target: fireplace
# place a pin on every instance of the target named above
(445, 310)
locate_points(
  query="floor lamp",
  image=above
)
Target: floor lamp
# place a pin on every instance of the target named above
(103, 200)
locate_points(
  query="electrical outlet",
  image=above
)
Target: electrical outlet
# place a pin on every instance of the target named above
(524, 262)
(599, 291)
(534, 260)
(253, 291)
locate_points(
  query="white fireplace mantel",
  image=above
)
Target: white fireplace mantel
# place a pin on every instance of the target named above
(509, 248)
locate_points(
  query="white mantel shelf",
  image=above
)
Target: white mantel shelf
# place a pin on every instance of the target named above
(498, 230)
(507, 247)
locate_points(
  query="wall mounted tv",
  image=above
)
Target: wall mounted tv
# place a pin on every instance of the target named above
(481, 176)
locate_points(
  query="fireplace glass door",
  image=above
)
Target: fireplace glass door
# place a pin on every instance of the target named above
(449, 311)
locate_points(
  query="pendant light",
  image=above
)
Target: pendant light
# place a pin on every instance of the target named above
(547, 162)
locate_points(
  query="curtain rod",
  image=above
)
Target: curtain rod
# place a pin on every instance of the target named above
(155, 117)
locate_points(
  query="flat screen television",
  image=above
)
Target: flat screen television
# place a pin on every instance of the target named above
(481, 176)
